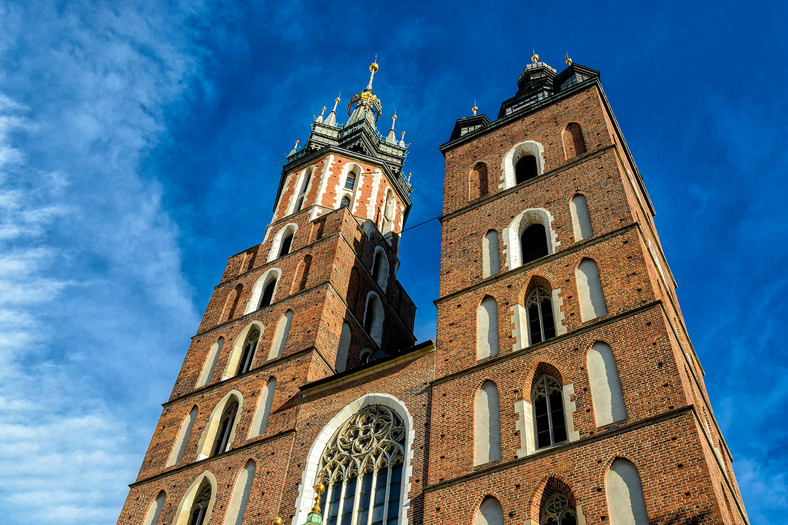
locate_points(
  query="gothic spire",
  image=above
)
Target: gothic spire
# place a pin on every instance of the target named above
(331, 119)
(365, 104)
(392, 136)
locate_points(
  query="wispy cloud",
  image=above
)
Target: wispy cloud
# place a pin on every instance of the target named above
(93, 303)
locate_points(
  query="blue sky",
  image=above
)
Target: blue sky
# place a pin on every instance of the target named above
(140, 146)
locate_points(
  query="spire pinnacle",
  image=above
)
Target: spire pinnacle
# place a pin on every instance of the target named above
(534, 57)
(331, 119)
(295, 148)
(474, 108)
(392, 136)
(320, 118)
(402, 140)
(568, 60)
(373, 68)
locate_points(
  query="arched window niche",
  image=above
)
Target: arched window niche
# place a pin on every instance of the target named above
(490, 512)
(487, 425)
(373, 317)
(545, 415)
(525, 159)
(624, 491)
(525, 241)
(241, 491)
(219, 432)
(264, 290)
(280, 245)
(537, 314)
(210, 363)
(182, 439)
(490, 263)
(154, 510)
(589, 290)
(558, 505)
(197, 503)
(574, 143)
(346, 190)
(231, 306)
(263, 410)
(303, 188)
(387, 461)
(380, 268)
(478, 182)
(606, 394)
(280, 335)
(344, 348)
(389, 213)
(245, 342)
(581, 220)
(487, 328)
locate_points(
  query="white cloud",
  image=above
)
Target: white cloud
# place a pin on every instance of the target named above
(92, 298)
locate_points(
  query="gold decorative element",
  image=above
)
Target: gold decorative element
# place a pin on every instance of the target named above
(395, 115)
(534, 57)
(409, 174)
(277, 521)
(373, 67)
(319, 489)
(568, 60)
(474, 108)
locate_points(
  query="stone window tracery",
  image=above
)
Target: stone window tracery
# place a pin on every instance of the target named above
(361, 468)
(200, 505)
(558, 510)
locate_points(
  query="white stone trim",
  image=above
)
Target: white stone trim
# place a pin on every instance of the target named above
(273, 253)
(525, 425)
(235, 352)
(384, 273)
(259, 285)
(306, 493)
(528, 147)
(558, 315)
(569, 410)
(373, 197)
(185, 506)
(376, 330)
(209, 432)
(519, 322)
(324, 176)
(511, 234)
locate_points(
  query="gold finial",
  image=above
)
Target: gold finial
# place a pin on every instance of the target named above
(568, 60)
(297, 142)
(403, 135)
(409, 174)
(373, 67)
(474, 108)
(319, 489)
(534, 57)
(277, 521)
(337, 99)
(395, 115)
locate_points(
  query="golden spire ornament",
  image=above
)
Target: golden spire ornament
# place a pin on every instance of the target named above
(568, 60)
(373, 68)
(277, 521)
(474, 108)
(534, 57)
(319, 489)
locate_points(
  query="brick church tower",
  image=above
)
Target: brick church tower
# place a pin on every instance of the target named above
(566, 390)
(561, 389)
(317, 299)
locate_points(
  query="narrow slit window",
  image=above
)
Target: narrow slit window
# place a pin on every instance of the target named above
(222, 442)
(548, 403)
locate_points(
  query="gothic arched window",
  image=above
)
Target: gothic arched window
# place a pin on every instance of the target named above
(541, 325)
(361, 468)
(302, 192)
(558, 510)
(222, 441)
(268, 293)
(287, 242)
(525, 169)
(200, 504)
(345, 202)
(247, 354)
(533, 242)
(350, 180)
(548, 402)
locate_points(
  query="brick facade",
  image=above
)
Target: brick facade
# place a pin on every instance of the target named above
(669, 433)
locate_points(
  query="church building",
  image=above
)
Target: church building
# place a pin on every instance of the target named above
(562, 387)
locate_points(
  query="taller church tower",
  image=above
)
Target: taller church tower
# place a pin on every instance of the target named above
(567, 390)
(317, 297)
